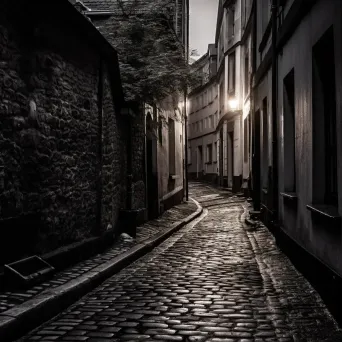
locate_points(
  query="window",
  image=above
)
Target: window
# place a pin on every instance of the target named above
(289, 132)
(231, 73)
(324, 121)
(221, 96)
(246, 74)
(266, 9)
(215, 151)
(264, 143)
(231, 23)
(172, 147)
(212, 121)
(160, 129)
(210, 153)
(245, 139)
(189, 155)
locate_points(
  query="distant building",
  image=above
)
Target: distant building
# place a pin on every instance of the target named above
(220, 125)
(233, 45)
(203, 119)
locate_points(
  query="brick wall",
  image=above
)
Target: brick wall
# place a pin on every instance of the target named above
(49, 135)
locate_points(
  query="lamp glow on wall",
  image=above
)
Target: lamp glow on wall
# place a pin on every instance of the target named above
(233, 103)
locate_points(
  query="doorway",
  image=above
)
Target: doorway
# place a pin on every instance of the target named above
(151, 170)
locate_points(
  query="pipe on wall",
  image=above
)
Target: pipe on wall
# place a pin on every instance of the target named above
(274, 112)
(255, 154)
(98, 228)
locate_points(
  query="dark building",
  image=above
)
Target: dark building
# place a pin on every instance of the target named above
(63, 139)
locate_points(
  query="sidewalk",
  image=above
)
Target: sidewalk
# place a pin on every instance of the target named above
(22, 311)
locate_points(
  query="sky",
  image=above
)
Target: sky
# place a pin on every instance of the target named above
(203, 15)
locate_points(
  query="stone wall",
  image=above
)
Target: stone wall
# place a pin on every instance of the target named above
(50, 135)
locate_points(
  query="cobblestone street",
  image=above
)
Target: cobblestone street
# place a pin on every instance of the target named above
(214, 280)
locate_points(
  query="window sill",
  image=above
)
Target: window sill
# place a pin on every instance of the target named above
(173, 177)
(215, 161)
(265, 191)
(325, 211)
(289, 195)
(209, 162)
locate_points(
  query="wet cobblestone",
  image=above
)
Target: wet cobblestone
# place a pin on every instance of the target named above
(213, 281)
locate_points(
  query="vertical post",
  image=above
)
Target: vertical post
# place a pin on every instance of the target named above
(274, 112)
(98, 228)
(186, 147)
(255, 125)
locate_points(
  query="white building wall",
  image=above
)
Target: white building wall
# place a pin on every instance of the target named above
(298, 54)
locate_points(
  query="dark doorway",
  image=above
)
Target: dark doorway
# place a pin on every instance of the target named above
(221, 158)
(256, 161)
(230, 159)
(151, 168)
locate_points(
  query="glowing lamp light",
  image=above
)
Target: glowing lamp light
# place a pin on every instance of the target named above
(233, 103)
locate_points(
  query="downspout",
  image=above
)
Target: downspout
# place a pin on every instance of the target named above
(186, 148)
(274, 111)
(255, 154)
(98, 228)
(185, 106)
(145, 162)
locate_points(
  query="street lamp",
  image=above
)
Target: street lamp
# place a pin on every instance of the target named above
(233, 103)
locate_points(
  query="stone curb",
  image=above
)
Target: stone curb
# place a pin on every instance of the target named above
(19, 320)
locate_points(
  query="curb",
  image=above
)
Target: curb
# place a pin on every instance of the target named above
(23, 318)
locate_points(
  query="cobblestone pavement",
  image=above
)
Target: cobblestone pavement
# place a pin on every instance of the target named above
(211, 281)
(10, 299)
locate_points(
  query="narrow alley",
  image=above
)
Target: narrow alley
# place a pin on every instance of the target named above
(214, 280)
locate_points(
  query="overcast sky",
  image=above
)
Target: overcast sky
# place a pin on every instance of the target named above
(203, 14)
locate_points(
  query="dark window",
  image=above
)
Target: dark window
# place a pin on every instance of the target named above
(231, 73)
(172, 147)
(245, 139)
(289, 132)
(210, 153)
(231, 23)
(221, 96)
(324, 120)
(264, 143)
(265, 15)
(246, 74)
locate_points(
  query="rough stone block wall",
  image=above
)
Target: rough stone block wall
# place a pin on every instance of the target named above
(138, 162)
(49, 135)
(113, 158)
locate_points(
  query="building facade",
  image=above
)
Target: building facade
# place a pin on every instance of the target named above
(223, 122)
(298, 106)
(233, 41)
(164, 121)
(202, 120)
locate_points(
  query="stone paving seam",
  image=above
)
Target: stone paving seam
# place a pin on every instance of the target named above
(24, 317)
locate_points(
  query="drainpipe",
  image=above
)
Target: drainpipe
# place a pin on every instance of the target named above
(98, 228)
(274, 111)
(145, 160)
(255, 153)
(186, 148)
